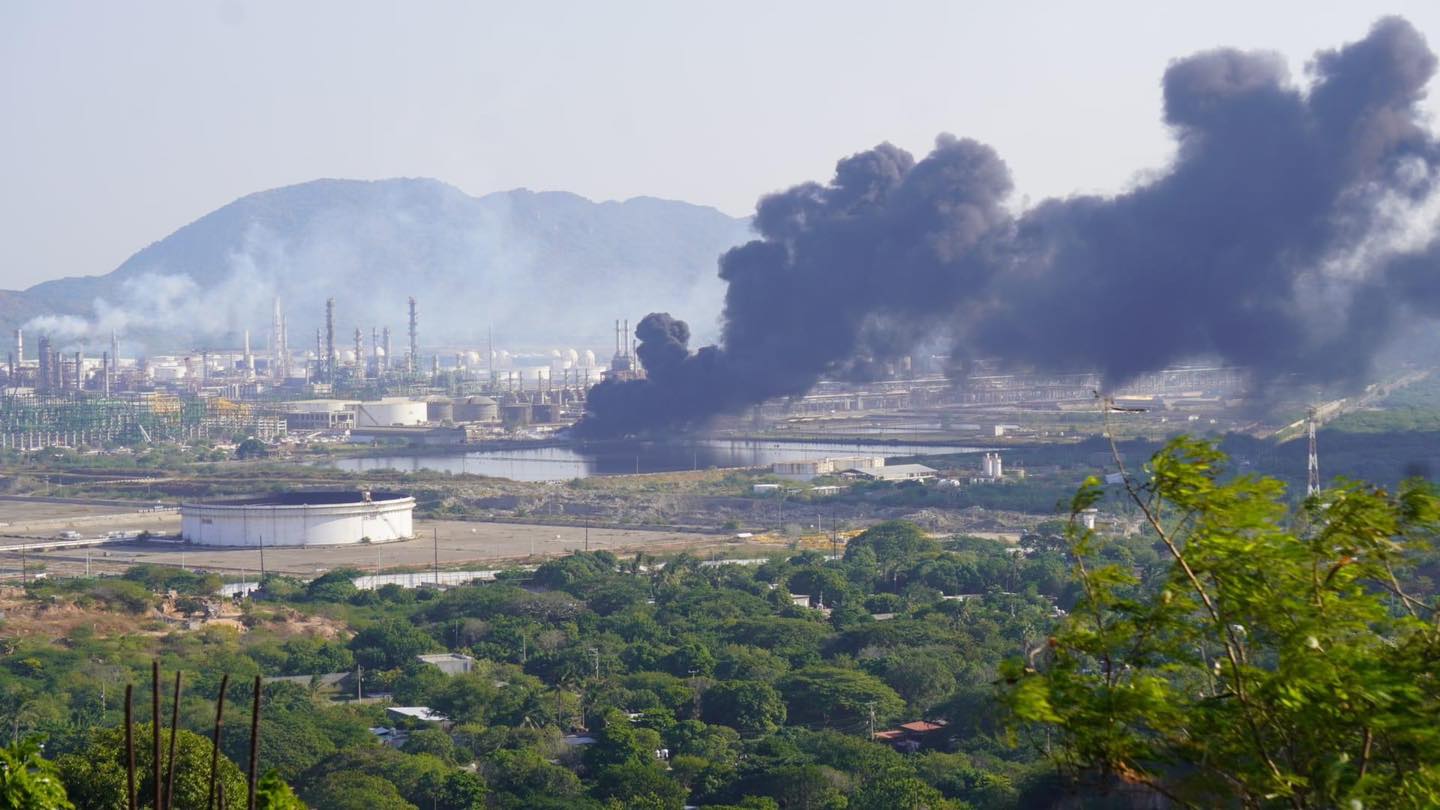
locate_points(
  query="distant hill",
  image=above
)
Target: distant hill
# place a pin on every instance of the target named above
(547, 268)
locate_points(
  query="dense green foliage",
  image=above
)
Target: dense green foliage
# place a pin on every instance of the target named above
(28, 781)
(1278, 662)
(616, 683)
(702, 684)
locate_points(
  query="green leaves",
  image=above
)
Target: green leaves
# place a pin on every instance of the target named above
(28, 781)
(1275, 664)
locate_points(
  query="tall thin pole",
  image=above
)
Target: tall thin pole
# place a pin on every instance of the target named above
(129, 747)
(435, 543)
(215, 748)
(155, 732)
(254, 746)
(174, 727)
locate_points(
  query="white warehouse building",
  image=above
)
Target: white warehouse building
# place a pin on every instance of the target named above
(327, 518)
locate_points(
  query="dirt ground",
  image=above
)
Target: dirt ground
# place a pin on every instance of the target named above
(456, 542)
(26, 520)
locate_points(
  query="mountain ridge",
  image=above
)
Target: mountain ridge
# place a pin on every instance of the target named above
(473, 262)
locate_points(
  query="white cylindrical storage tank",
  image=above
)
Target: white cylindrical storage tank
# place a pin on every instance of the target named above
(299, 519)
(390, 412)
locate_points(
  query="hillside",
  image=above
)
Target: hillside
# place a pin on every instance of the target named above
(538, 268)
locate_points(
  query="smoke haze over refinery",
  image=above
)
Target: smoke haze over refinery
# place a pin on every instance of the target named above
(131, 121)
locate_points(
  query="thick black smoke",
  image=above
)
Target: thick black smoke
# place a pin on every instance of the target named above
(1272, 241)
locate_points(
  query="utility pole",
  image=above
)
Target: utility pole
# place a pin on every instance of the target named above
(595, 653)
(871, 706)
(435, 542)
(834, 536)
(587, 532)
(262, 558)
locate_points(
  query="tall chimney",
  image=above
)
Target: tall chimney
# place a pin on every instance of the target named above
(19, 347)
(385, 339)
(249, 358)
(42, 374)
(330, 340)
(284, 347)
(277, 342)
(414, 359)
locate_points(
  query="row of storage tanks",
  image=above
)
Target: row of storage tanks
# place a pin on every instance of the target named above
(405, 412)
(439, 410)
(485, 409)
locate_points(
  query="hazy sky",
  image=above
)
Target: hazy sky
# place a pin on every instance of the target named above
(120, 122)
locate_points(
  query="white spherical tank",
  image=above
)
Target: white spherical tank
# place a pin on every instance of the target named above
(299, 519)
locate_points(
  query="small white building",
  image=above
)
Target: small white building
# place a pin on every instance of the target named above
(897, 472)
(423, 713)
(450, 663)
(808, 469)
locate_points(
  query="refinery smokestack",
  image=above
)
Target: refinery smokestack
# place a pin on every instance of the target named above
(385, 337)
(249, 359)
(413, 360)
(19, 347)
(277, 342)
(359, 353)
(329, 340)
(284, 359)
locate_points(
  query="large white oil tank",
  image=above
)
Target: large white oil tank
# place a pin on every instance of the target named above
(390, 412)
(589, 358)
(299, 519)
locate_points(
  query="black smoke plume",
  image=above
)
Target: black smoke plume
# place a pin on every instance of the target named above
(1277, 239)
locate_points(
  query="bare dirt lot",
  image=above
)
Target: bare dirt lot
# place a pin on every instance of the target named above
(457, 543)
(22, 521)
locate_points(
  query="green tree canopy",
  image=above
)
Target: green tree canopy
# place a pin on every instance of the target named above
(95, 779)
(333, 586)
(891, 541)
(1280, 663)
(752, 707)
(390, 643)
(28, 781)
(830, 696)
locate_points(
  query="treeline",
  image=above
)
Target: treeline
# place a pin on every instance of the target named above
(713, 685)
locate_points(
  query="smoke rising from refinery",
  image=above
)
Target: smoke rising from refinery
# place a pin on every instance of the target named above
(1290, 234)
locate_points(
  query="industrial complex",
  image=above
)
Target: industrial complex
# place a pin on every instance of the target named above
(72, 396)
